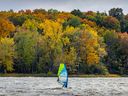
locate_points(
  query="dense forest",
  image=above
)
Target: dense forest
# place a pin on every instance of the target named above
(37, 41)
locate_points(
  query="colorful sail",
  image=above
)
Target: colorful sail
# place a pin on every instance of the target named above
(63, 75)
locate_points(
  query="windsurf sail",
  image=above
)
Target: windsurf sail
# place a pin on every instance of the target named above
(63, 75)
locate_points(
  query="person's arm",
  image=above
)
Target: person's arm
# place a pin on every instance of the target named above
(60, 81)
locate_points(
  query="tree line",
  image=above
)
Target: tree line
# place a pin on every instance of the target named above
(37, 41)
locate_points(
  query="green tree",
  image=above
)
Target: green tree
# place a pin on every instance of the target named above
(43, 11)
(124, 24)
(18, 20)
(90, 15)
(78, 13)
(112, 59)
(111, 23)
(74, 21)
(52, 14)
(117, 13)
(99, 18)
(123, 39)
(26, 48)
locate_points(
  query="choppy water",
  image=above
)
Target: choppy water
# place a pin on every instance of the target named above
(47, 86)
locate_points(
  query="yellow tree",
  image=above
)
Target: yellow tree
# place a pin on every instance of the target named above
(57, 44)
(5, 27)
(70, 40)
(31, 25)
(6, 54)
(52, 44)
(91, 46)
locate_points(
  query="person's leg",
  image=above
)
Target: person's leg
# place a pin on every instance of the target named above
(64, 84)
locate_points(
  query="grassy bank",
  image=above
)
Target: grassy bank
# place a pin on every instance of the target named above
(25, 75)
(93, 75)
(54, 75)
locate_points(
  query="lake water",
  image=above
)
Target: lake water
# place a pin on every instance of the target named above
(48, 86)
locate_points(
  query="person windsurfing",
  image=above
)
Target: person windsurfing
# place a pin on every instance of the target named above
(62, 75)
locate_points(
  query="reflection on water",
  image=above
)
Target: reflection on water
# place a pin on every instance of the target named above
(47, 86)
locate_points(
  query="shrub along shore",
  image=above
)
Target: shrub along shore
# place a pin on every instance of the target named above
(54, 75)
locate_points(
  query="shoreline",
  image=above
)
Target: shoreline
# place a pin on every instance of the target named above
(54, 75)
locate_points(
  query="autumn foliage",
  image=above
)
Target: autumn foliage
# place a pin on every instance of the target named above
(37, 41)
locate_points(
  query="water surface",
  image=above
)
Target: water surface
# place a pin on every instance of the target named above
(48, 86)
